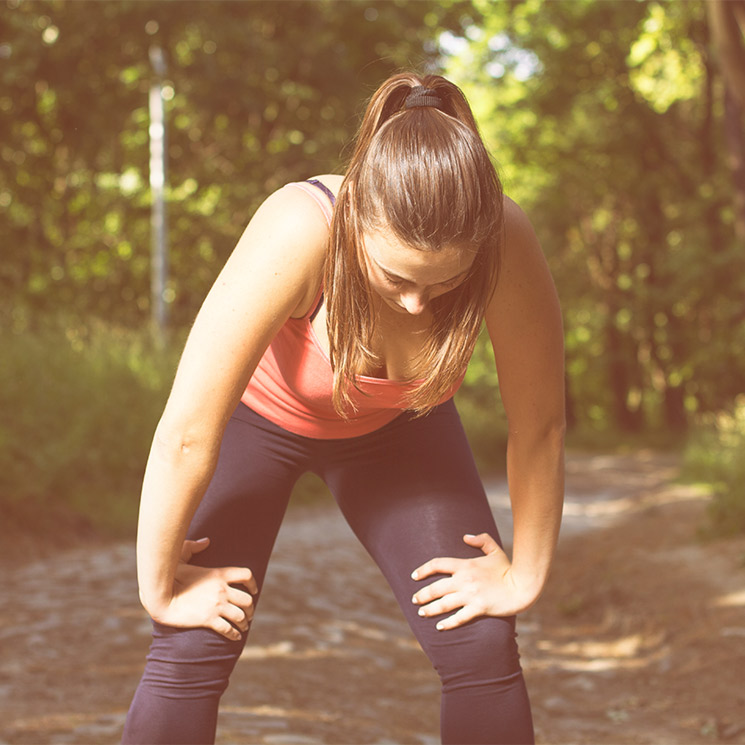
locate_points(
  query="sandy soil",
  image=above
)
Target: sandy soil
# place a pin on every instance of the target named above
(640, 637)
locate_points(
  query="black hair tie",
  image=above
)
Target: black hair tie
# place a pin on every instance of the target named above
(421, 96)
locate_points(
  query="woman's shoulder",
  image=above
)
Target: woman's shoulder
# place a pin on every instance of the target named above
(517, 224)
(524, 274)
(302, 205)
(288, 234)
(520, 241)
(331, 181)
(522, 263)
(305, 209)
(293, 199)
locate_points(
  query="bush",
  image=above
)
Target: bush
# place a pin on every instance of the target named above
(481, 411)
(80, 404)
(716, 456)
(79, 409)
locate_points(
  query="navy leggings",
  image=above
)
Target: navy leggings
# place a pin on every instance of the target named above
(409, 491)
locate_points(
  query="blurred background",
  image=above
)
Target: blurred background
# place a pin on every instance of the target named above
(618, 127)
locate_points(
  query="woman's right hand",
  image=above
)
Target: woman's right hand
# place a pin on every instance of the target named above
(204, 597)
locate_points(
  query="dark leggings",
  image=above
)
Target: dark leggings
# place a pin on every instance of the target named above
(409, 491)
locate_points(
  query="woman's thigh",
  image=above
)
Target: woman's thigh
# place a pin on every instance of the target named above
(410, 492)
(243, 507)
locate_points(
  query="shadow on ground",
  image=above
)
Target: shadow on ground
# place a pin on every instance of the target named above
(640, 637)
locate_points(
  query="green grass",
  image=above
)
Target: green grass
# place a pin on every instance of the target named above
(715, 456)
(80, 404)
(608, 440)
(79, 409)
(486, 428)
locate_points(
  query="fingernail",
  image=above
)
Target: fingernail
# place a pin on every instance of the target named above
(470, 535)
(201, 540)
(413, 599)
(421, 611)
(415, 575)
(440, 626)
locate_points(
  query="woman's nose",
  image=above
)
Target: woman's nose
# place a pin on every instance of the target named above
(414, 301)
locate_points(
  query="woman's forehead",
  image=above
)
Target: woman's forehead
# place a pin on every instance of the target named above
(414, 264)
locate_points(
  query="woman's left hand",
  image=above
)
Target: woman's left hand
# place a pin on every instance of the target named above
(482, 586)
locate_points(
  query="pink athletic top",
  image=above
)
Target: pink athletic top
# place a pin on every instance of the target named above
(293, 382)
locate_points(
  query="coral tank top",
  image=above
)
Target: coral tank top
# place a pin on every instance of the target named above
(293, 382)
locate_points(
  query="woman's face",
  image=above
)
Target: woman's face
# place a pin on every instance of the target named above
(408, 278)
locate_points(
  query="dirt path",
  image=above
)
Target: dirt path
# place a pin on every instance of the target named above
(640, 637)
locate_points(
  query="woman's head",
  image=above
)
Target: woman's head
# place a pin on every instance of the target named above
(422, 171)
(420, 187)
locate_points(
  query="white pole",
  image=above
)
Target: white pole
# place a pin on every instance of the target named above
(158, 218)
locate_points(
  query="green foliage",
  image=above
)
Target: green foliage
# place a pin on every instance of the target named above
(257, 94)
(715, 457)
(607, 121)
(666, 67)
(79, 409)
(481, 411)
(80, 406)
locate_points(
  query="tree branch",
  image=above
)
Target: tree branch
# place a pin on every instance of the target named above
(727, 23)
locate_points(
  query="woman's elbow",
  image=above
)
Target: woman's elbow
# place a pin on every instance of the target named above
(184, 437)
(546, 430)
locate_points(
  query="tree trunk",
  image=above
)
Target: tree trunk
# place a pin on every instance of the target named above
(735, 139)
(726, 32)
(709, 139)
(676, 418)
(626, 419)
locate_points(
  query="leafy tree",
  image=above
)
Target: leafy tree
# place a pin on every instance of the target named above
(727, 24)
(258, 93)
(607, 118)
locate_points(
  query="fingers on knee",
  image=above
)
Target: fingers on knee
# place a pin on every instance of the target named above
(482, 651)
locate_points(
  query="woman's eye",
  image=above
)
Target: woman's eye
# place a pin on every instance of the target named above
(453, 283)
(393, 281)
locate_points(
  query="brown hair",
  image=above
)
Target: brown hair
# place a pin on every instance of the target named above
(423, 174)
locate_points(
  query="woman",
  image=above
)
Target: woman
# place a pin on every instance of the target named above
(333, 341)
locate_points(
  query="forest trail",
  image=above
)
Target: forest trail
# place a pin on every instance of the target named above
(639, 638)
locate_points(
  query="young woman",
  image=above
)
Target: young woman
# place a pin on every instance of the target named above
(333, 341)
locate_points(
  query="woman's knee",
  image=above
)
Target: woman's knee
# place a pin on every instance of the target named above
(482, 652)
(190, 663)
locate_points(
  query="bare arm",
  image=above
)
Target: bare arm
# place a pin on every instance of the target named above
(525, 327)
(272, 273)
(524, 324)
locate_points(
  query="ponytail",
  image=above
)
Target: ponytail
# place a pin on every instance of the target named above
(422, 172)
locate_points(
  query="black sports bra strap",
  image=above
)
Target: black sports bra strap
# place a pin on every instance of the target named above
(316, 309)
(323, 188)
(332, 199)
